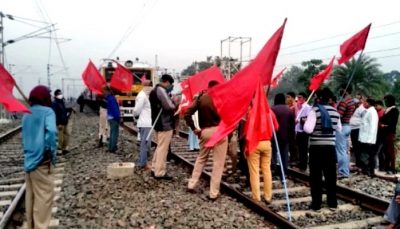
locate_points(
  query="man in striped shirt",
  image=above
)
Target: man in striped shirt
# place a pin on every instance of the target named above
(346, 108)
(322, 124)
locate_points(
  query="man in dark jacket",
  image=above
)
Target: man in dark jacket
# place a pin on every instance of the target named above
(285, 118)
(62, 115)
(162, 115)
(208, 122)
(113, 117)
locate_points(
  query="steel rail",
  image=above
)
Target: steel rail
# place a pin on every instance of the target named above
(21, 192)
(265, 212)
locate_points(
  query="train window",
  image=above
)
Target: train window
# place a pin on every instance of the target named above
(138, 75)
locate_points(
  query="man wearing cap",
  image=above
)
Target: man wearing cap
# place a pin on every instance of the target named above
(39, 142)
(62, 115)
(162, 115)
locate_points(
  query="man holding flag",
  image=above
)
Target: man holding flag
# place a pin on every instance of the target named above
(208, 122)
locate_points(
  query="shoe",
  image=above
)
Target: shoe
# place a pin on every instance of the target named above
(190, 190)
(165, 177)
(152, 174)
(340, 177)
(314, 208)
(64, 152)
(267, 202)
(333, 208)
(213, 199)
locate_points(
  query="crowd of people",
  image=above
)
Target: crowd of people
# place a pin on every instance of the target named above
(322, 136)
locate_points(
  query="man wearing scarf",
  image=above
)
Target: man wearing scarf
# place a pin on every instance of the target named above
(323, 121)
(39, 137)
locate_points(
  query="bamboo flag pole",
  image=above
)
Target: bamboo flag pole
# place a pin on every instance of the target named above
(278, 153)
(351, 76)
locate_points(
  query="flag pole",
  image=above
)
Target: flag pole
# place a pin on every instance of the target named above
(152, 127)
(302, 108)
(278, 152)
(22, 93)
(351, 76)
(282, 170)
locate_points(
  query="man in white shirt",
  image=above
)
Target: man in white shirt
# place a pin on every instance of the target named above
(301, 136)
(143, 110)
(355, 123)
(367, 137)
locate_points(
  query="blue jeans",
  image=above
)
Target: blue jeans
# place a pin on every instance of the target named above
(342, 147)
(193, 141)
(144, 146)
(392, 214)
(114, 132)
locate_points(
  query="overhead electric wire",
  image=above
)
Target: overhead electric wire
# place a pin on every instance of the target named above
(131, 29)
(335, 36)
(46, 17)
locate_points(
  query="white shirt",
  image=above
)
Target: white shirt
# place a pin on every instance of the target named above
(303, 112)
(369, 126)
(356, 118)
(143, 109)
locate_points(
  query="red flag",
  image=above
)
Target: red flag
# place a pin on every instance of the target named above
(6, 80)
(10, 102)
(197, 83)
(187, 97)
(93, 79)
(121, 79)
(275, 79)
(319, 78)
(354, 44)
(232, 98)
(258, 125)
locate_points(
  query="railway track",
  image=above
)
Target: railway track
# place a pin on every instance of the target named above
(12, 181)
(356, 209)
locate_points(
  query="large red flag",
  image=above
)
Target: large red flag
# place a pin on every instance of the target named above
(319, 78)
(354, 44)
(6, 80)
(10, 102)
(232, 98)
(121, 79)
(197, 83)
(187, 97)
(258, 125)
(93, 79)
(275, 79)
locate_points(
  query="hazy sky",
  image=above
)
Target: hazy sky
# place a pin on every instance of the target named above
(182, 31)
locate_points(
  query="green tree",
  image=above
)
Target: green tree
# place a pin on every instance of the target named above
(311, 68)
(368, 79)
(289, 82)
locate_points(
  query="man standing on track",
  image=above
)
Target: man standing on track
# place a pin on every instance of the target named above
(39, 141)
(62, 116)
(346, 109)
(162, 115)
(323, 122)
(208, 122)
(143, 110)
(113, 116)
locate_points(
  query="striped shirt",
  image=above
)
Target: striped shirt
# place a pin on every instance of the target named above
(313, 126)
(346, 109)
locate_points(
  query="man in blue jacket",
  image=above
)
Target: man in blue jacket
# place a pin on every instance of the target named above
(39, 141)
(113, 117)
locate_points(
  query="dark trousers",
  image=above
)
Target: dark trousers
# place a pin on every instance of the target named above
(114, 132)
(390, 153)
(242, 163)
(284, 151)
(368, 153)
(356, 146)
(323, 163)
(302, 146)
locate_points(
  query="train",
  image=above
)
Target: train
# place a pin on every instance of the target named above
(126, 99)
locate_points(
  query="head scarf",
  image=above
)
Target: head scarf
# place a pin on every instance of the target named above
(40, 95)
